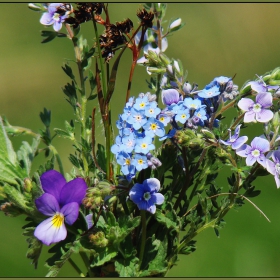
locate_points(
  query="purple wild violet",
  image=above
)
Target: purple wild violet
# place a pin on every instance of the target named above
(53, 17)
(234, 140)
(255, 152)
(257, 111)
(146, 195)
(273, 167)
(60, 202)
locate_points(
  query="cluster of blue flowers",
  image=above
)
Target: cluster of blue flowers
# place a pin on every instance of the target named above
(140, 122)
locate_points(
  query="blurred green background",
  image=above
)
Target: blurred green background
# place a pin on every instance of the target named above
(218, 39)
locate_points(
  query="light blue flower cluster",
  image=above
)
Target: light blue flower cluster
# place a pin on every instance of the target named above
(140, 122)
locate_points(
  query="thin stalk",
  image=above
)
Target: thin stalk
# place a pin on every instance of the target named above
(143, 237)
(83, 104)
(58, 159)
(78, 270)
(23, 130)
(87, 263)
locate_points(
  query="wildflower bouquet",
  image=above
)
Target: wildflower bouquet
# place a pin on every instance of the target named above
(132, 204)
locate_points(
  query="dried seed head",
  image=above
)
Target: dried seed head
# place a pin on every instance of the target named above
(145, 17)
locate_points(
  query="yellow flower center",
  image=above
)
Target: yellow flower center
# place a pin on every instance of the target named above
(127, 161)
(58, 220)
(153, 126)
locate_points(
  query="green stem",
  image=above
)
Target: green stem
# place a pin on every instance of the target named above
(83, 104)
(78, 270)
(23, 130)
(104, 85)
(58, 159)
(87, 263)
(143, 237)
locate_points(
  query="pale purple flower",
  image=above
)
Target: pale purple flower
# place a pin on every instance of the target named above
(257, 111)
(146, 195)
(170, 96)
(273, 167)
(60, 202)
(260, 86)
(255, 152)
(234, 140)
(52, 17)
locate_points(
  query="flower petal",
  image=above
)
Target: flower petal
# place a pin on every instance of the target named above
(153, 184)
(261, 144)
(73, 191)
(57, 26)
(239, 142)
(265, 99)
(243, 150)
(159, 198)
(89, 220)
(245, 103)
(262, 160)
(136, 193)
(270, 167)
(46, 19)
(70, 212)
(47, 204)
(52, 182)
(249, 116)
(48, 233)
(264, 115)
(250, 160)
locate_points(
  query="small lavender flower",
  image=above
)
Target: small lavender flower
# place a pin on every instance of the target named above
(273, 167)
(146, 195)
(255, 152)
(60, 202)
(234, 140)
(257, 111)
(53, 17)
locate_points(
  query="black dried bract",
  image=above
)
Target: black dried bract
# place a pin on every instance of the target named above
(145, 17)
(63, 9)
(83, 13)
(125, 26)
(111, 39)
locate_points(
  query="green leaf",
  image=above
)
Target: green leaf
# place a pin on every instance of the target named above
(46, 117)
(155, 253)
(49, 34)
(9, 166)
(127, 267)
(68, 71)
(103, 255)
(101, 156)
(34, 246)
(56, 262)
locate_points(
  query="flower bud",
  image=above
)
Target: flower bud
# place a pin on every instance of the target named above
(98, 239)
(10, 209)
(275, 75)
(154, 70)
(27, 185)
(187, 88)
(166, 61)
(275, 120)
(175, 25)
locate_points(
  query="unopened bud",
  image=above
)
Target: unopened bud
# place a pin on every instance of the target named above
(154, 70)
(27, 185)
(175, 25)
(98, 239)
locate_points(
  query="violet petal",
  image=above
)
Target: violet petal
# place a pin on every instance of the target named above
(70, 212)
(52, 182)
(73, 191)
(264, 116)
(47, 204)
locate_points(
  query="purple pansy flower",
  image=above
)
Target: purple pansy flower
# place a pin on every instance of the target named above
(234, 140)
(53, 17)
(60, 202)
(146, 195)
(274, 167)
(255, 152)
(257, 111)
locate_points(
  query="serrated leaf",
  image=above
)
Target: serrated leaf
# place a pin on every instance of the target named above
(68, 71)
(34, 246)
(127, 267)
(103, 255)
